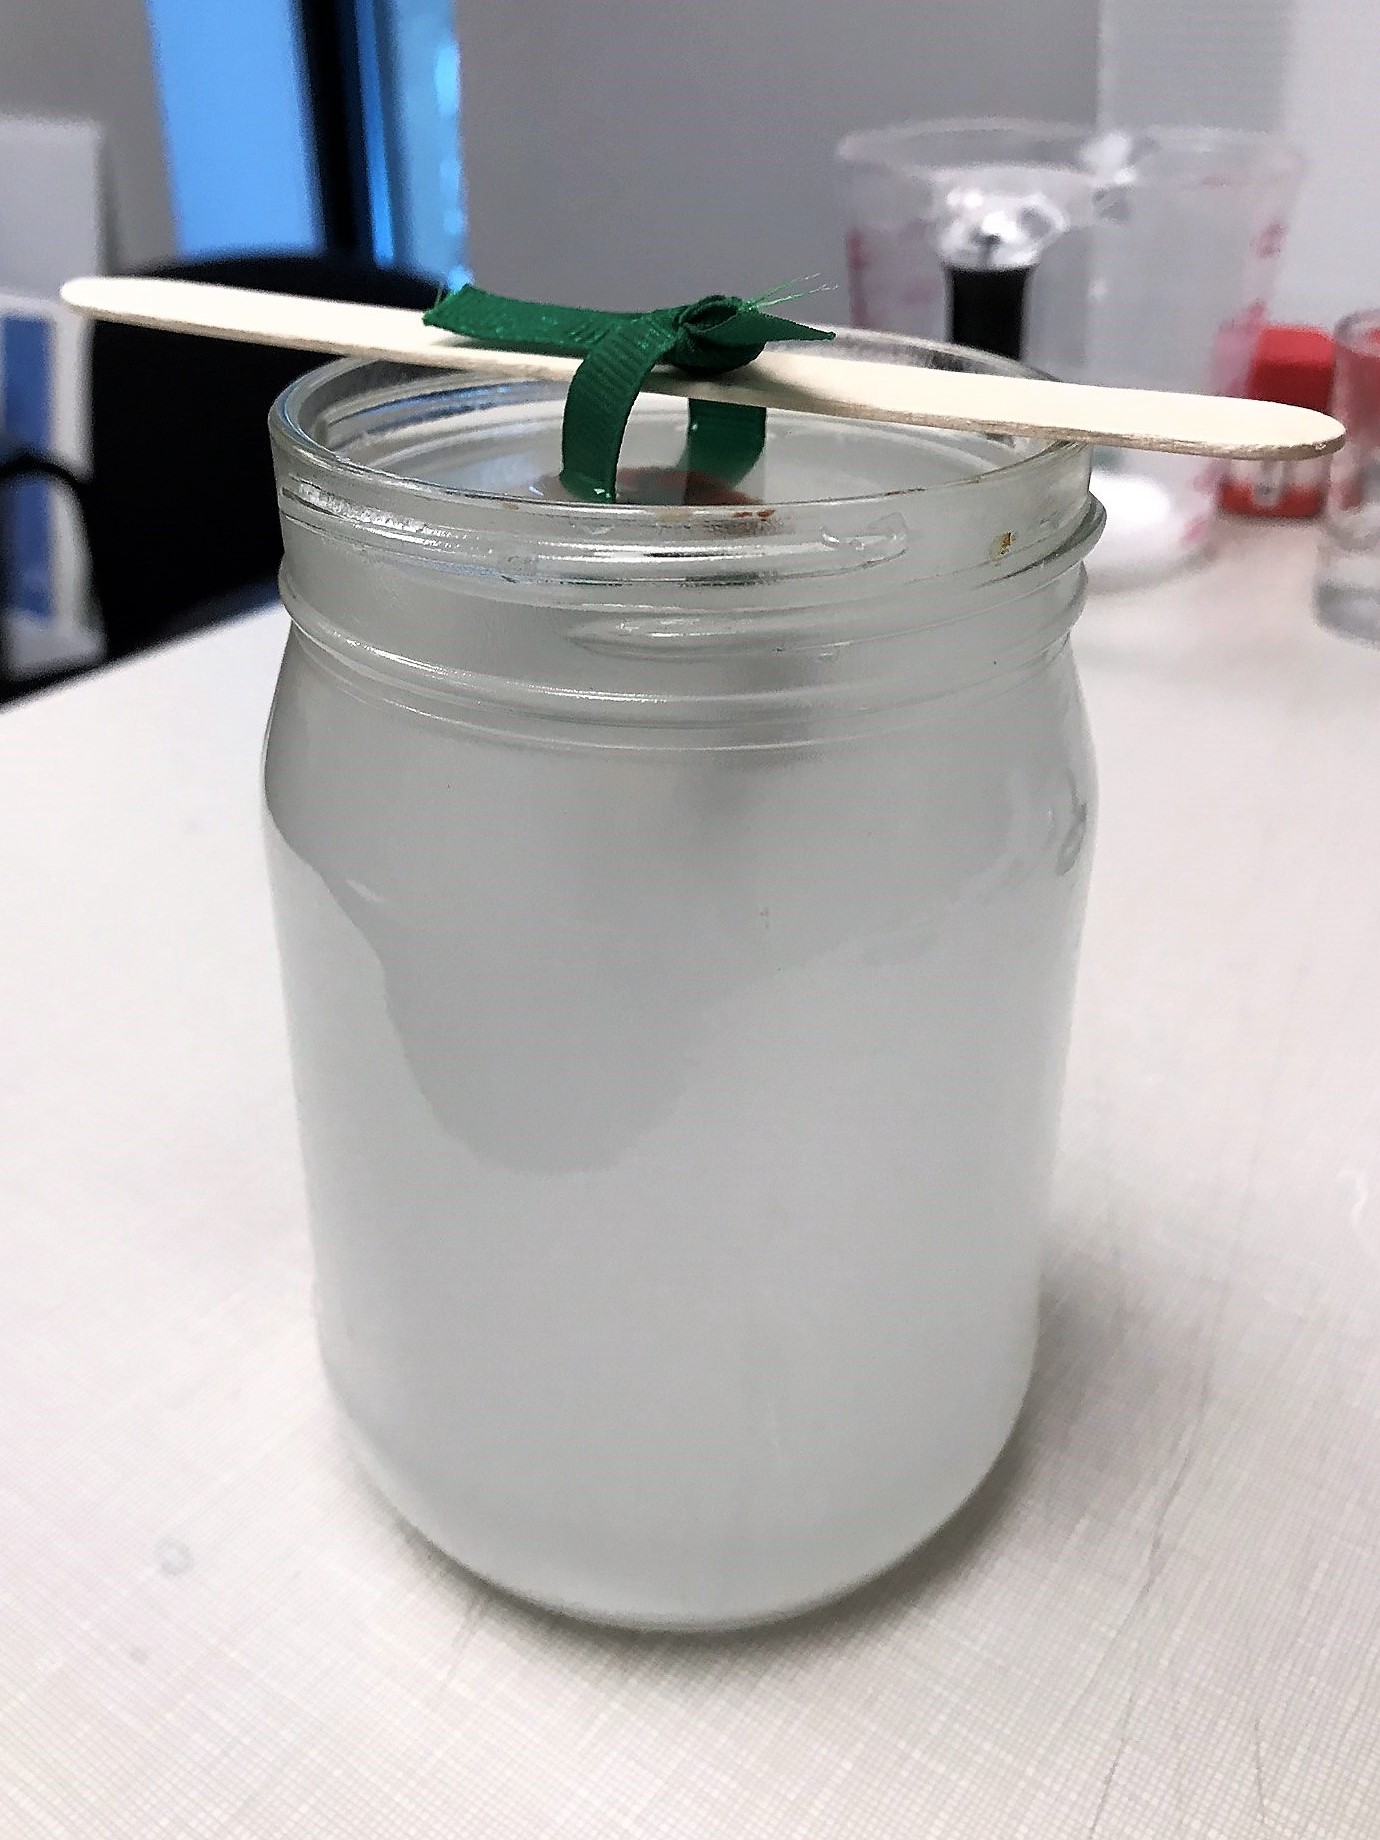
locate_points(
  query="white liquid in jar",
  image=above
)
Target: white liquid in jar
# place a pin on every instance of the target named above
(678, 1115)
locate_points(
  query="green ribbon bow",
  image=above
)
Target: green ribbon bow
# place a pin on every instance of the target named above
(704, 338)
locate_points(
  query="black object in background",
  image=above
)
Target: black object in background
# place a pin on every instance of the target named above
(17, 463)
(382, 83)
(182, 509)
(987, 309)
(336, 95)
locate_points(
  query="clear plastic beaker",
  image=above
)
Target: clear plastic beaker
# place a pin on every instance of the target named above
(1095, 254)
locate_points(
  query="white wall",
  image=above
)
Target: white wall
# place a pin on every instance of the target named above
(91, 58)
(630, 152)
(1193, 63)
(1308, 69)
(624, 152)
(1332, 109)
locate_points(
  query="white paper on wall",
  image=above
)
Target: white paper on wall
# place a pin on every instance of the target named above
(52, 226)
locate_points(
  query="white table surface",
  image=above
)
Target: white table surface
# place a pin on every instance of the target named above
(1162, 1617)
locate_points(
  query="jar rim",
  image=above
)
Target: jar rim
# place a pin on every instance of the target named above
(1015, 503)
(681, 614)
(300, 409)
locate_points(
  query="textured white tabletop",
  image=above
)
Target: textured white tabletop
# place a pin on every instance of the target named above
(1162, 1615)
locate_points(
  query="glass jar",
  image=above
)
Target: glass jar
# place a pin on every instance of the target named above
(678, 909)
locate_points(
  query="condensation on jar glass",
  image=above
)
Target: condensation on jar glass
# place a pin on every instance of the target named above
(678, 908)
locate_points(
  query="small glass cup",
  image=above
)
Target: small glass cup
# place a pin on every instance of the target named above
(1347, 595)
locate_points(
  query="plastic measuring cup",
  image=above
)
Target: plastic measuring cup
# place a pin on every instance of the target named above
(1098, 255)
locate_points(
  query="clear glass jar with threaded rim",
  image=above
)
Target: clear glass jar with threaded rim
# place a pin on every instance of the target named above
(678, 907)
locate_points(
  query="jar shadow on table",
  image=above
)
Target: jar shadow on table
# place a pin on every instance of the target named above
(1098, 1353)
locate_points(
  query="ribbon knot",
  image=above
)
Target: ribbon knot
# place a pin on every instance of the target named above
(718, 334)
(704, 338)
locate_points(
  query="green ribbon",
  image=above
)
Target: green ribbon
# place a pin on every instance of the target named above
(704, 338)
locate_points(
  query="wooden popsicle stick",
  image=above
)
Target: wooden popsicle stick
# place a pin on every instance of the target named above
(1232, 427)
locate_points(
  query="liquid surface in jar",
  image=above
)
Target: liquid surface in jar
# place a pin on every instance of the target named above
(660, 485)
(505, 441)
